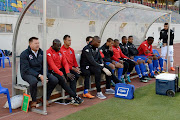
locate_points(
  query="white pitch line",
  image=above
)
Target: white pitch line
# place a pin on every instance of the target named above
(10, 115)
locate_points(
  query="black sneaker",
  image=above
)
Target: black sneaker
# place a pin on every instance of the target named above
(143, 80)
(74, 101)
(79, 100)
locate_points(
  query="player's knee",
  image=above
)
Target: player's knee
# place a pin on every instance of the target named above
(112, 66)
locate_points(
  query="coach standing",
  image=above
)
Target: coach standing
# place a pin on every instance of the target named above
(164, 37)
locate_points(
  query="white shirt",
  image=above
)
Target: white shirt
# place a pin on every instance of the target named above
(35, 53)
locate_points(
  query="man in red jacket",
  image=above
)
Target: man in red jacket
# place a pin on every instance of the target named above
(120, 57)
(146, 53)
(58, 66)
(71, 60)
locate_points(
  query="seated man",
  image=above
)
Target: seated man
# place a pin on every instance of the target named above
(91, 63)
(145, 53)
(120, 57)
(71, 59)
(134, 52)
(108, 53)
(114, 79)
(31, 67)
(59, 67)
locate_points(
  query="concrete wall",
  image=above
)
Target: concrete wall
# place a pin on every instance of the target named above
(6, 38)
(78, 29)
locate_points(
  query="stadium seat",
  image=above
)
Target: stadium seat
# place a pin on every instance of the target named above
(3, 59)
(6, 92)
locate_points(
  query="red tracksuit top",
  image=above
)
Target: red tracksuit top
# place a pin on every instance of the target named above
(70, 56)
(144, 47)
(118, 54)
(56, 60)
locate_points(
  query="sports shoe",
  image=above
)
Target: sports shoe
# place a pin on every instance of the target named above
(74, 101)
(147, 78)
(143, 80)
(122, 80)
(110, 91)
(88, 95)
(163, 71)
(100, 95)
(157, 72)
(79, 100)
(172, 69)
(128, 78)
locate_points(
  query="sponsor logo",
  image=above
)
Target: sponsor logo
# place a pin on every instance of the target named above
(30, 57)
(122, 91)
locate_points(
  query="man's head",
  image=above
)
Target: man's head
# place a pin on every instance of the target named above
(96, 41)
(130, 39)
(166, 26)
(116, 43)
(150, 40)
(110, 42)
(67, 40)
(34, 43)
(56, 45)
(124, 39)
(89, 39)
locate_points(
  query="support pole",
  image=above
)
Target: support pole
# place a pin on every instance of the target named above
(44, 57)
(169, 29)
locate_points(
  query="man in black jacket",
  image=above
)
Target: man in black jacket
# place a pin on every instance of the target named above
(92, 63)
(138, 63)
(134, 52)
(31, 68)
(107, 50)
(164, 37)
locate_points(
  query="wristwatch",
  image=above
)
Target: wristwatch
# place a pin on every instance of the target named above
(39, 76)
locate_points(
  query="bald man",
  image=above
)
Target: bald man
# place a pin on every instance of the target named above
(92, 63)
(58, 66)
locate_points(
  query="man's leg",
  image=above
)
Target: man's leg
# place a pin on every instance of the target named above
(64, 85)
(73, 83)
(86, 73)
(171, 54)
(97, 72)
(33, 85)
(52, 82)
(163, 52)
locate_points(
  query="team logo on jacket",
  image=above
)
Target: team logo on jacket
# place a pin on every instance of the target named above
(30, 57)
(87, 50)
(60, 54)
(70, 52)
(122, 91)
(49, 54)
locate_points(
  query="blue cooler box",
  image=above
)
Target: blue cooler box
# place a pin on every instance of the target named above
(125, 91)
(165, 82)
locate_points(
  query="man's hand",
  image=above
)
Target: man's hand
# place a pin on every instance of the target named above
(147, 51)
(42, 79)
(77, 70)
(107, 72)
(121, 61)
(71, 76)
(164, 44)
(132, 57)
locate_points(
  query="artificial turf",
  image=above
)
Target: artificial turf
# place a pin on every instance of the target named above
(145, 106)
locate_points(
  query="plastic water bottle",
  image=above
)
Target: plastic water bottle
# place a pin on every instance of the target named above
(159, 45)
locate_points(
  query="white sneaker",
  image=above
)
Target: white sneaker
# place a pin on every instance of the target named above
(100, 95)
(110, 91)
